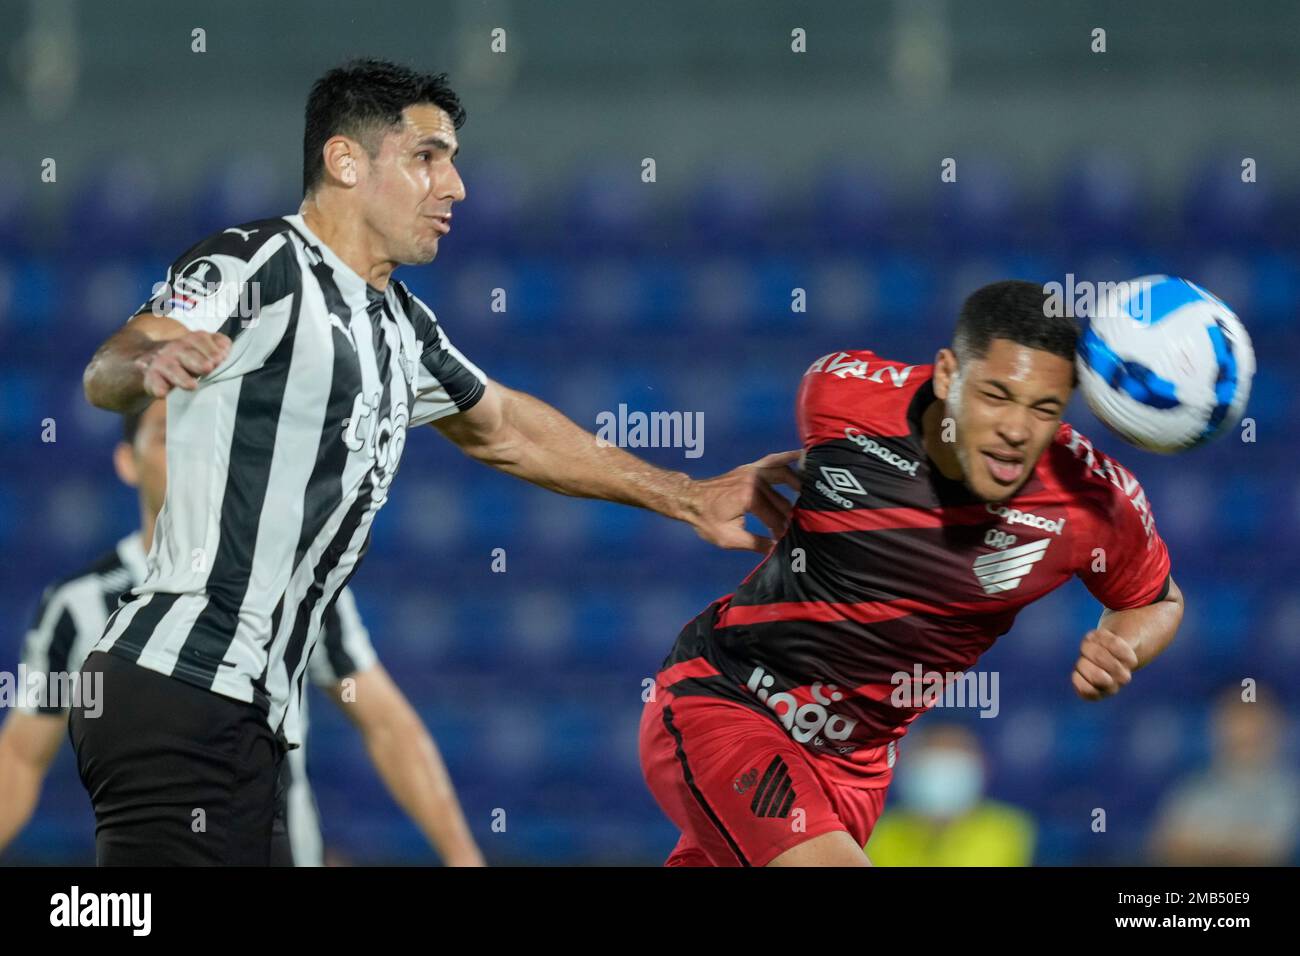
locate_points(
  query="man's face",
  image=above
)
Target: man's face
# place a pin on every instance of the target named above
(1007, 407)
(408, 189)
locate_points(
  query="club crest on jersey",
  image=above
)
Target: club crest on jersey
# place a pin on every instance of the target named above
(839, 480)
(198, 280)
(1003, 570)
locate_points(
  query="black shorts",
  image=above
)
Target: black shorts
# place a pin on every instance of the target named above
(178, 775)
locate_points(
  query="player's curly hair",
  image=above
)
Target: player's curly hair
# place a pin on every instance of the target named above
(362, 99)
(1013, 310)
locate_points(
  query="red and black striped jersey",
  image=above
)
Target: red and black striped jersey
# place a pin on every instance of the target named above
(891, 574)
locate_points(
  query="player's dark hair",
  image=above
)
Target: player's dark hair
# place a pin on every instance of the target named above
(1014, 310)
(362, 99)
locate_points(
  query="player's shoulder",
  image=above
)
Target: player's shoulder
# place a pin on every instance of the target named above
(859, 387)
(1094, 479)
(241, 243)
(234, 258)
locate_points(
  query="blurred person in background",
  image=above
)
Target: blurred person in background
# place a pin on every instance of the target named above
(71, 618)
(944, 818)
(1242, 810)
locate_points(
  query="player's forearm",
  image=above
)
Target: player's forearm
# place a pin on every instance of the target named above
(1148, 630)
(20, 789)
(114, 379)
(544, 447)
(409, 762)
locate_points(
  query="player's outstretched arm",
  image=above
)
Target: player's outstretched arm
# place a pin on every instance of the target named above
(404, 753)
(28, 743)
(146, 359)
(1124, 641)
(523, 436)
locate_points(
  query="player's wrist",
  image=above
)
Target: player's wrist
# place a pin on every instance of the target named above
(684, 501)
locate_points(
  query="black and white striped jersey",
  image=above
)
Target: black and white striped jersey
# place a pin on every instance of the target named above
(278, 462)
(70, 619)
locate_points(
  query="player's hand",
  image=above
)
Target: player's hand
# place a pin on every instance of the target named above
(1106, 663)
(180, 362)
(717, 506)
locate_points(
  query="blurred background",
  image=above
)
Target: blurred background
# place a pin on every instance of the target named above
(773, 171)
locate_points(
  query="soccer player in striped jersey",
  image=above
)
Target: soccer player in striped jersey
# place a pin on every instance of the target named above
(70, 619)
(294, 367)
(938, 500)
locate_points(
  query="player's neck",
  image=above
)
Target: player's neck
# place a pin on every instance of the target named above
(942, 453)
(348, 238)
(147, 523)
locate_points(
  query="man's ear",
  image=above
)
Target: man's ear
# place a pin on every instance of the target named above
(945, 370)
(124, 464)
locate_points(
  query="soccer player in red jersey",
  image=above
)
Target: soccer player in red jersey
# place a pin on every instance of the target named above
(937, 501)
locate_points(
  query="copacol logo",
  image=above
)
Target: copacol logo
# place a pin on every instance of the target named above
(807, 722)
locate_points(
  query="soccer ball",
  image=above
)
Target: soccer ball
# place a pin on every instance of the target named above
(1164, 364)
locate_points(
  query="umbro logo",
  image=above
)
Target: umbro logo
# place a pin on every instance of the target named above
(839, 480)
(1004, 570)
(775, 794)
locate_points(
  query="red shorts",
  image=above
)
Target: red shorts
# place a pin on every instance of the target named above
(738, 787)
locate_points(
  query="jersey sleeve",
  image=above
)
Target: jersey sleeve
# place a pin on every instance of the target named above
(232, 284)
(50, 647)
(1124, 561)
(446, 382)
(345, 647)
(846, 392)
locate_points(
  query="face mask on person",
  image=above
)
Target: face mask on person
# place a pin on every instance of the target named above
(941, 783)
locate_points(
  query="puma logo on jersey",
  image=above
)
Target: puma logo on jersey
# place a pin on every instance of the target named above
(1004, 570)
(347, 332)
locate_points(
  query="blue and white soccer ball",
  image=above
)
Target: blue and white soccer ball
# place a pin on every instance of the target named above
(1164, 363)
